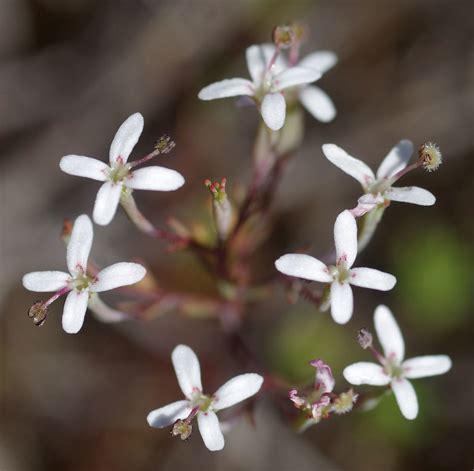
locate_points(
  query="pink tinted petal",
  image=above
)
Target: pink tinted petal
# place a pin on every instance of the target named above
(396, 160)
(273, 110)
(118, 274)
(411, 194)
(295, 76)
(324, 381)
(321, 61)
(371, 278)
(155, 178)
(345, 238)
(406, 398)
(74, 311)
(366, 373)
(227, 88)
(210, 430)
(106, 203)
(169, 414)
(429, 365)
(80, 244)
(348, 164)
(81, 166)
(342, 303)
(303, 266)
(236, 390)
(389, 334)
(188, 371)
(126, 138)
(44, 281)
(103, 312)
(317, 103)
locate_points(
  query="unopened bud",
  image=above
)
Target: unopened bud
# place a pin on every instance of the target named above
(38, 312)
(286, 36)
(430, 156)
(164, 144)
(344, 402)
(183, 428)
(364, 337)
(66, 230)
(221, 207)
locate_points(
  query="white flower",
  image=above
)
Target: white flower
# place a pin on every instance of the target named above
(188, 372)
(378, 188)
(81, 287)
(394, 370)
(270, 76)
(342, 275)
(118, 175)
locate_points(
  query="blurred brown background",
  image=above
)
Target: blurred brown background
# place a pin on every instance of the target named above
(72, 70)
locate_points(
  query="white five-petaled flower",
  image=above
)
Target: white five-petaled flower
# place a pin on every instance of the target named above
(341, 275)
(378, 188)
(270, 76)
(118, 175)
(188, 373)
(393, 369)
(82, 288)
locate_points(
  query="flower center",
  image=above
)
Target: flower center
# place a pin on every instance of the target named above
(379, 186)
(340, 272)
(81, 282)
(118, 172)
(201, 401)
(393, 368)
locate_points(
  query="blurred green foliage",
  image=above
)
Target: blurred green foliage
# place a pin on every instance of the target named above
(434, 276)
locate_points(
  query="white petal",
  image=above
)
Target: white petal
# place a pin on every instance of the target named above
(106, 203)
(74, 311)
(210, 430)
(406, 398)
(169, 414)
(126, 138)
(366, 373)
(342, 303)
(389, 334)
(236, 390)
(371, 278)
(227, 88)
(345, 238)
(317, 103)
(321, 61)
(396, 160)
(188, 371)
(295, 76)
(155, 178)
(80, 244)
(303, 266)
(411, 194)
(81, 166)
(118, 274)
(350, 165)
(103, 312)
(273, 110)
(429, 365)
(258, 59)
(43, 281)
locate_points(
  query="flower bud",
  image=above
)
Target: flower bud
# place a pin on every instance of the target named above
(364, 337)
(430, 156)
(183, 428)
(38, 312)
(221, 208)
(286, 36)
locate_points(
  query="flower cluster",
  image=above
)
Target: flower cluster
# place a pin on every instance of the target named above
(319, 401)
